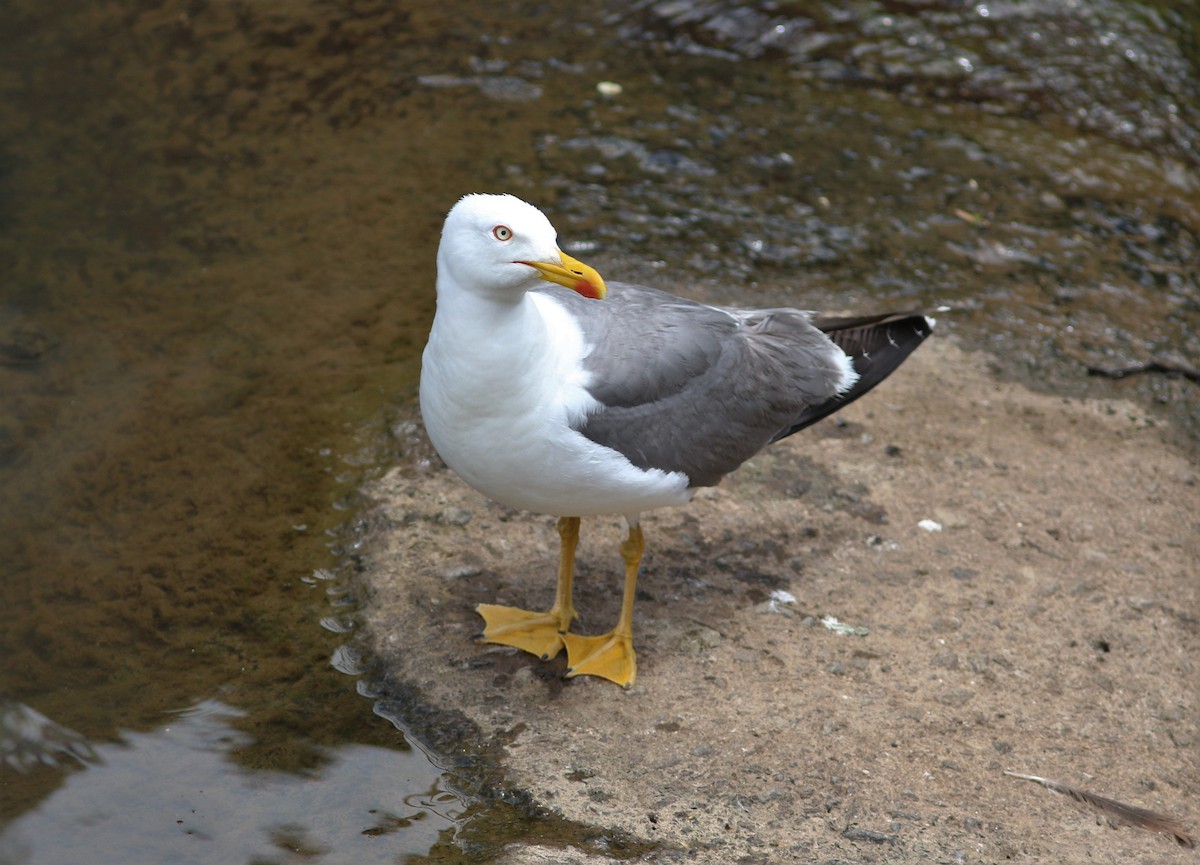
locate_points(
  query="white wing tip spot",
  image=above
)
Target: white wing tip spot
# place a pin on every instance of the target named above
(848, 376)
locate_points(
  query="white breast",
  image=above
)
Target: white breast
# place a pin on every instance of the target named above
(501, 386)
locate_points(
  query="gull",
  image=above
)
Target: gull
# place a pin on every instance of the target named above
(548, 390)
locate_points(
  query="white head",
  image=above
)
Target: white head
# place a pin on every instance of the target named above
(499, 246)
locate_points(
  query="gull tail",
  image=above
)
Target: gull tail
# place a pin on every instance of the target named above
(876, 345)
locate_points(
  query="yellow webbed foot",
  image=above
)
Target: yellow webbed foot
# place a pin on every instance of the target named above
(536, 633)
(609, 656)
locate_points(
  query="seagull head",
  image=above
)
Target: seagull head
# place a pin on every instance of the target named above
(501, 246)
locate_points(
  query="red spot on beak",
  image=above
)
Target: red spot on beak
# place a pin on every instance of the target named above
(586, 289)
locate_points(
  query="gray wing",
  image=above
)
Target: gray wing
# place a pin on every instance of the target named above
(693, 388)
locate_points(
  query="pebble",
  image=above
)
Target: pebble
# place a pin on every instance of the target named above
(951, 519)
(957, 697)
(857, 833)
(453, 516)
(773, 607)
(946, 660)
(695, 640)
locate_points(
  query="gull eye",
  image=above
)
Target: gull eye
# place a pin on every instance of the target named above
(502, 232)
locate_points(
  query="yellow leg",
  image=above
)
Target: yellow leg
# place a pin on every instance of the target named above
(540, 634)
(611, 655)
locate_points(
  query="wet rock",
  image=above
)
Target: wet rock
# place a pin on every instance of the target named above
(521, 854)
(23, 346)
(732, 703)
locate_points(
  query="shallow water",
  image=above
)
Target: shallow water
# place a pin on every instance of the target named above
(207, 808)
(215, 269)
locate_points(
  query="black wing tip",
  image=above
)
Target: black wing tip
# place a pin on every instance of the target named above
(876, 346)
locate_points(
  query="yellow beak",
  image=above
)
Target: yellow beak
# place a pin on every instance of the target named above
(574, 274)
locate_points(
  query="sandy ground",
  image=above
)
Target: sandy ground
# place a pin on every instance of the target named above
(1048, 626)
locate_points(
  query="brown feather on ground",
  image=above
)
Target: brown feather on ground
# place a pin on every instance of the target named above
(1117, 812)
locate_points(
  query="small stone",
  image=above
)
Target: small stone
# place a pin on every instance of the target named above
(1049, 589)
(957, 697)
(696, 639)
(453, 516)
(773, 607)
(946, 660)
(1171, 713)
(950, 519)
(946, 624)
(856, 833)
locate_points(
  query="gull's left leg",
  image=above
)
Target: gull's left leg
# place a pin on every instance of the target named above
(611, 655)
(540, 634)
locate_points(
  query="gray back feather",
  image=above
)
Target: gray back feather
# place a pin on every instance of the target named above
(692, 388)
